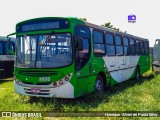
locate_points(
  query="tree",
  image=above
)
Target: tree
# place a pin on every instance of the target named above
(108, 25)
(84, 19)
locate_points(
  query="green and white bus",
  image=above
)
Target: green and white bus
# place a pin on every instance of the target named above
(67, 57)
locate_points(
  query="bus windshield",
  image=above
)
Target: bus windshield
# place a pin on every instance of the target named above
(44, 51)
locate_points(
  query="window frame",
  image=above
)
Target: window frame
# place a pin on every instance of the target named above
(142, 41)
(84, 37)
(126, 45)
(107, 32)
(146, 47)
(112, 36)
(119, 45)
(137, 46)
(132, 47)
(99, 54)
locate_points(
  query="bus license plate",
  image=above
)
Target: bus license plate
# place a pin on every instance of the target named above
(36, 90)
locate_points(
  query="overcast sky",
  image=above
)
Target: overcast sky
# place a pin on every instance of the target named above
(96, 11)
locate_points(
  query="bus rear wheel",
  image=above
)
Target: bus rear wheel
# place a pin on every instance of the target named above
(137, 76)
(99, 84)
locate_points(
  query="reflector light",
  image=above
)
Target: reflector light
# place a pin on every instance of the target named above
(61, 82)
(54, 84)
(66, 78)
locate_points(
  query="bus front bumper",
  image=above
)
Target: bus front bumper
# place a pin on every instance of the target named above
(64, 91)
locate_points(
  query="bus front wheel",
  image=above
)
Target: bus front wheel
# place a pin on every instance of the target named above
(99, 84)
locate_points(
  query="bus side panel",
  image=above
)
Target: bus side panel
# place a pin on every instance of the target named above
(144, 63)
(2, 69)
(124, 71)
(85, 85)
(91, 83)
(9, 68)
(6, 69)
(82, 84)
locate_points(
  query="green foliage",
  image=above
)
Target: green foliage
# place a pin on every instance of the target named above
(149, 74)
(84, 19)
(108, 25)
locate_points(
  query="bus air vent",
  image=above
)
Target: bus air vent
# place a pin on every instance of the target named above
(37, 73)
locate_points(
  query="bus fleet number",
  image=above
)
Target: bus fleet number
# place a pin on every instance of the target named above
(44, 79)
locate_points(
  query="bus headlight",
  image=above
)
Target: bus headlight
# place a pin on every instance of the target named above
(54, 84)
(61, 82)
(18, 82)
(64, 80)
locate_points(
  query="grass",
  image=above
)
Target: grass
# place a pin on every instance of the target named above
(132, 95)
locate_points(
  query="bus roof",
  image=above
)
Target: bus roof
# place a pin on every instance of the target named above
(88, 24)
(41, 18)
(113, 31)
(2, 38)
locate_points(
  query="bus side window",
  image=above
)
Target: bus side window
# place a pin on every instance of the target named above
(5, 49)
(1, 48)
(142, 47)
(12, 47)
(146, 47)
(110, 48)
(132, 46)
(126, 46)
(119, 47)
(137, 47)
(99, 48)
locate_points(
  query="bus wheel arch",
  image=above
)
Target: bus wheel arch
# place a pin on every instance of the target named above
(100, 82)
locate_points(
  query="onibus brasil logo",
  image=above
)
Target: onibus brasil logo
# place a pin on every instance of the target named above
(131, 18)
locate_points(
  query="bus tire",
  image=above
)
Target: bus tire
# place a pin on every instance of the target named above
(99, 84)
(137, 75)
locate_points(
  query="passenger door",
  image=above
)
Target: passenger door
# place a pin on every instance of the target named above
(82, 56)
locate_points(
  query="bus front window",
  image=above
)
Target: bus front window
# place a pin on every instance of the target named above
(26, 51)
(55, 51)
(44, 51)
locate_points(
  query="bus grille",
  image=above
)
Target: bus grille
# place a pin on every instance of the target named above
(30, 83)
(37, 73)
(37, 94)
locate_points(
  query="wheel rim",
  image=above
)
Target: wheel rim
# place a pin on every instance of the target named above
(99, 85)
